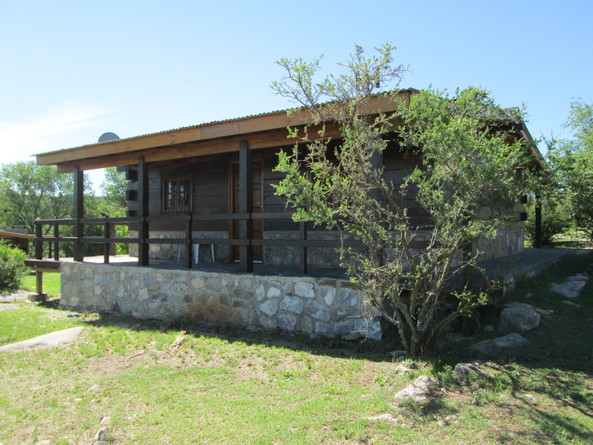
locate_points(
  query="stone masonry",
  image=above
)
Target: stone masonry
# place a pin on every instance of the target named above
(315, 306)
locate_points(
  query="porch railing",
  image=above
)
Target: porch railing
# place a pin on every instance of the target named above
(189, 220)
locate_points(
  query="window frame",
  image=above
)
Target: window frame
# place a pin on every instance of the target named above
(176, 207)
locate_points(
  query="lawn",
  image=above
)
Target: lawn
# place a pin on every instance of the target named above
(155, 382)
(51, 284)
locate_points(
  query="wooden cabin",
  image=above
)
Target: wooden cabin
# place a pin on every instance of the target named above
(204, 193)
(200, 199)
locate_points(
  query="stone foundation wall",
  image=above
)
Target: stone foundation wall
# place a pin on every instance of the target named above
(316, 306)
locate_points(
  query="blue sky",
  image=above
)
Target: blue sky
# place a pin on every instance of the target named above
(72, 70)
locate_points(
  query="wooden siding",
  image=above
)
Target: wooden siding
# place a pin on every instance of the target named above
(211, 186)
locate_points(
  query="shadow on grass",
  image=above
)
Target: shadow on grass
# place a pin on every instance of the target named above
(328, 346)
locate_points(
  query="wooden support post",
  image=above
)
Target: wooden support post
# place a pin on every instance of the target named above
(377, 164)
(78, 211)
(538, 222)
(56, 242)
(39, 256)
(107, 245)
(303, 253)
(245, 206)
(38, 242)
(143, 232)
(188, 244)
(468, 325)
(39, 282)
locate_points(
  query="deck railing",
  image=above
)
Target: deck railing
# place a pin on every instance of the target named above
(189, 220)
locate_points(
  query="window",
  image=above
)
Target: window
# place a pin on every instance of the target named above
(177, 194)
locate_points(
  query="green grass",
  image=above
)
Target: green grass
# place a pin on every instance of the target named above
(51, 284)
(227, 385)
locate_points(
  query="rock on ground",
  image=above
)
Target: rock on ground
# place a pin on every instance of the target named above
(468, 369)
(518, 317)
(569, 289)
(51, 340)
(500, 344)
(419, 390)
(5, 307)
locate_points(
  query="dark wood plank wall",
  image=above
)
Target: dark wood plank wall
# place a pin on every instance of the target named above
(211, 188)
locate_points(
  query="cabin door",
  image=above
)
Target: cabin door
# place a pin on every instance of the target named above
(258, 207)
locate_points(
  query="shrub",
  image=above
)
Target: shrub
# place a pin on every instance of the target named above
(556, 218)
(12, 267)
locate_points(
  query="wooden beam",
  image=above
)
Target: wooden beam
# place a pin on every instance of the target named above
(143, 251)
(275, 139)
(78, 212)
(243, 128)
(245, 206)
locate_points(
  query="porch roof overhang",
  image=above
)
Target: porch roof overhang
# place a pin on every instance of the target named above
(267, 130)
(261, 131)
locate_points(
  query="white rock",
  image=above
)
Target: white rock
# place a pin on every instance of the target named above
(493, 346)
(269, 308)
(578, 277)
(418, 390)
(305, 290)
(518, 317)
(468, 369)
(570, 289)
(51, 340)
(413, 393)
(386, 417)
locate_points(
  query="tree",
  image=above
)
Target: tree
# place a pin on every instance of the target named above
(29, 191)
(114, 188)
(466, 183)
(114, 203)
(572, 160)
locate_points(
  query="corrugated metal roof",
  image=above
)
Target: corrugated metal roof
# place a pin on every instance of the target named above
(188, 127)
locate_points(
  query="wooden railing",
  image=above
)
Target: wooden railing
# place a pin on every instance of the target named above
(189, 221)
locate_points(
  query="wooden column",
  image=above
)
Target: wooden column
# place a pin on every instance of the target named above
(538, 222)
(245, 206)
(377, 164)
(39, 256)
(78, 211)
(107, 245)
(143, 212)
(56, 242)
(303, 234)
(188, 244)
(303, 265)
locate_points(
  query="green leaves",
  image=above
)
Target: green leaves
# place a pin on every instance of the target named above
(29, 191)
(463, 184)
(572, 161)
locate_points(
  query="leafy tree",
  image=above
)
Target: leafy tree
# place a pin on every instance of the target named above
(29, 191)
(114, 188)
(556, 218)
(114, 202)
(465, 184)
(573, 161)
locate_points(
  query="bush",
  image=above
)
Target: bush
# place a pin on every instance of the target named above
(556, 218)
(12, 267)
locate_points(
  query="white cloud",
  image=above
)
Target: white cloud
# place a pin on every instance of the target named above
(62, 127)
